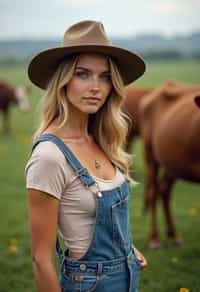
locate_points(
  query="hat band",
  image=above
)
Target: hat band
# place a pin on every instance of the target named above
(87, 43)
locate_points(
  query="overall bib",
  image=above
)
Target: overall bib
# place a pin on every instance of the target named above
(110, 264)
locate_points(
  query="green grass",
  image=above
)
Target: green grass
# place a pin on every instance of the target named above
(184, 71)
(170, 268)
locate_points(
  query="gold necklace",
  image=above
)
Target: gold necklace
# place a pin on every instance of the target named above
(97, 164)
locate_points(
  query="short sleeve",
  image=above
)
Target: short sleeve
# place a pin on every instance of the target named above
(45, 170)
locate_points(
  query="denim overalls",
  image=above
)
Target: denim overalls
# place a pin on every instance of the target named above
(109, 264)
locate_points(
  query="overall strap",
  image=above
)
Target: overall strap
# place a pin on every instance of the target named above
(75, 164)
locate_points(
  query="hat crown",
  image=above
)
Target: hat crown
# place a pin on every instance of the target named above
(86, 33)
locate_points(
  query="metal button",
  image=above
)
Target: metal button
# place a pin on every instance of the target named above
(78, 278)
(99, 194)
(83, 267)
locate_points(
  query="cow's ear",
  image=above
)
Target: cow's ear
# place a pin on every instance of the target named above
(197, 100)
(170, 91)
(171, 94)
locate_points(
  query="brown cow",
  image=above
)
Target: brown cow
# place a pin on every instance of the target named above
(134, 96)
(169, 120)
(12, 95)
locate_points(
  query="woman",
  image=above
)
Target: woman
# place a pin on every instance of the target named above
(77, 176)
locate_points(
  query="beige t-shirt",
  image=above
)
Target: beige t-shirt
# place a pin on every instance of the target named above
(48, 170)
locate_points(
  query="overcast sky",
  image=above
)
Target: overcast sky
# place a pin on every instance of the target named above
(50, 18)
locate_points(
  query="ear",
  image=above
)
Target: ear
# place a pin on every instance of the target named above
(197, 100)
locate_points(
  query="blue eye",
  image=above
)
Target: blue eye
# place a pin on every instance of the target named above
(81, 74)
(106, 77)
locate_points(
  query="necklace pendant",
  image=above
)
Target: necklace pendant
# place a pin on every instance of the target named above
(97, 164)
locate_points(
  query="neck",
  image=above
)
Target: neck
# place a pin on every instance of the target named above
(76, 127)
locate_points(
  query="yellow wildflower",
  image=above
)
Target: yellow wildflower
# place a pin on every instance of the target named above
(192, 212)
(184, 290)
(13, 248)
(174, 260)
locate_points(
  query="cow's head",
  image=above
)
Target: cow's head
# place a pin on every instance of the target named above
(197, 100)
(21, 94)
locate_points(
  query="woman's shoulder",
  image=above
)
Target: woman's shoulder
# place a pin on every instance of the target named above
(46, 155)
(48, 150)
(45, 170)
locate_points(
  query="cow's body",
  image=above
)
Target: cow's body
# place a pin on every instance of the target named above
(170, 128)
(134, 96)
(9, 96)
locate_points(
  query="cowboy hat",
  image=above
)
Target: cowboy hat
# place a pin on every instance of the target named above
(84, 37)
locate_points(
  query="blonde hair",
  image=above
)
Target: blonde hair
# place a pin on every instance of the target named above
(109, 126)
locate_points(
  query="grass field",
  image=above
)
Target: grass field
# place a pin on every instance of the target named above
(170, 268)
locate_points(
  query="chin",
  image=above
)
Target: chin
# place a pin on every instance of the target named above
(91, 110)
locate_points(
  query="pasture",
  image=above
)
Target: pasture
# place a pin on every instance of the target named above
(170, 268)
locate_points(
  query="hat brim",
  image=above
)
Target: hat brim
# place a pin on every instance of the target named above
(43, 65)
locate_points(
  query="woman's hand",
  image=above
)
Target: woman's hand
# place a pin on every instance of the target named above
(142, 260)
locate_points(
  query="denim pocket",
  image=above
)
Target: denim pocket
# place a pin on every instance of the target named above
(89, 283)
(78, 282)
(120, 222)
(68, 284)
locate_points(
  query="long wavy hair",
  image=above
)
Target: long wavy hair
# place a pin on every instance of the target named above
(109, 126)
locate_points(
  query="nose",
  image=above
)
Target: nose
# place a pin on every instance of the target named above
(95, 84)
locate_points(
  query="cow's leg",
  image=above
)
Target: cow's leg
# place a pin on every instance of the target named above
(151, 192)
(165, 186)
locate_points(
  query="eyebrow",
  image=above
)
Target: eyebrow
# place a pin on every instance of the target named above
(86, 69)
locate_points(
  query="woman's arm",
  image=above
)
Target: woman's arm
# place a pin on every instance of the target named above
(43, 210)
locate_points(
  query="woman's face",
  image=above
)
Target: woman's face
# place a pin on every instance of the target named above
(90, 84)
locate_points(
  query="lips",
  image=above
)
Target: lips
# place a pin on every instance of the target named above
(92, 98)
